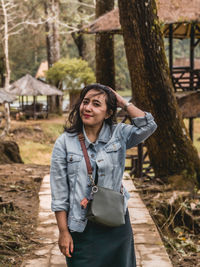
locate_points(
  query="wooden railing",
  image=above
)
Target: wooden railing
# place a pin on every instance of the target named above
(185, 79)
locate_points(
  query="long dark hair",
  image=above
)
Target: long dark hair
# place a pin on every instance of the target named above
(74, 123)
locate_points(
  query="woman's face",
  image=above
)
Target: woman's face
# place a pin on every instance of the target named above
(93, 109)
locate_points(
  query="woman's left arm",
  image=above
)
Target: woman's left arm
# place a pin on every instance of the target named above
(143, 124)
(132, 110)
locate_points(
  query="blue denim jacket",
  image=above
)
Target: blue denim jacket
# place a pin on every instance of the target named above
(68, 174)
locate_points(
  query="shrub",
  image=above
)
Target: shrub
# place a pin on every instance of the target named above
(71, 74)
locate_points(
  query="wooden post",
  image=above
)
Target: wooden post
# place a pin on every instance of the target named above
(191, 127)
(192, 41)
(22, 102)
(140, 160)
(34, 107)
(171, 48)
(19, 103)
(47, 107)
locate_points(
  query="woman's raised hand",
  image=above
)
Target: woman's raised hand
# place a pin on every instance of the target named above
(120, 100)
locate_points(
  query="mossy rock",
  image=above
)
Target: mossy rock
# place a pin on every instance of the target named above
(9, 152)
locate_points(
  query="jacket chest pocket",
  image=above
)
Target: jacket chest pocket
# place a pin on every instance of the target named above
(113, 150)
(73, 163)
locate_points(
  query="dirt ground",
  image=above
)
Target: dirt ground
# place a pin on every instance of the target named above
(177, 217)
(19, 187)
(18, 210)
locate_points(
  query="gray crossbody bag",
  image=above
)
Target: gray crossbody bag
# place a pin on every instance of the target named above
(106, 206)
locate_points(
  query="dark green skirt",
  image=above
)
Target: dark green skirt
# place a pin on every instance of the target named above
(100, 246)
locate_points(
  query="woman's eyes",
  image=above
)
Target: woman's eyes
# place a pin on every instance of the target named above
(96, 104)
(85, 102)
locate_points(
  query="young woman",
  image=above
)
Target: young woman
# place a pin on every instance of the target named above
(84, 243)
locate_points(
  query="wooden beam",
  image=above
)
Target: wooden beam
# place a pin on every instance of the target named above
(140, 160)
(191, 127)
(171, 48)
(34, 107)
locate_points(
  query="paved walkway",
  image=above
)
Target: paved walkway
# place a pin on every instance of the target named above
(150, 251)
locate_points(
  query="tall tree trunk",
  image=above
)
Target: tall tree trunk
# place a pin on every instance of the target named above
(7, 68)
(170, 148)
(78, 38)
(105, 68)
(53, 47)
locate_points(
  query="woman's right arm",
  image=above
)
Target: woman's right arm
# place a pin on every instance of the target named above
(60, 194)
(65, 241)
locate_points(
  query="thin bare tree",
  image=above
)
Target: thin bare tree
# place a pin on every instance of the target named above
(6, 11)
(11, 24)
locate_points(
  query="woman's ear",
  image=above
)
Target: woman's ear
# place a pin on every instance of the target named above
(109, 114)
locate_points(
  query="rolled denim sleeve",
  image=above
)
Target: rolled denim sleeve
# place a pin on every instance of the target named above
(58, 177)
(139, 130)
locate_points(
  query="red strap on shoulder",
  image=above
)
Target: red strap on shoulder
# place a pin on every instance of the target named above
(87, 160)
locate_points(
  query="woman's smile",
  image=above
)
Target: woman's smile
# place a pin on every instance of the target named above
(87, 116)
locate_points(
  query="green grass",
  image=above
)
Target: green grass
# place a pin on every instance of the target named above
(32, 152)
(38, 150)
(52, 130)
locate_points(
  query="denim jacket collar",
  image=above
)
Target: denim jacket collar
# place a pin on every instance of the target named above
(104, 135)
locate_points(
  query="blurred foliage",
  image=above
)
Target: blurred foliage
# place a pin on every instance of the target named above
(72, 74)
(26, 52)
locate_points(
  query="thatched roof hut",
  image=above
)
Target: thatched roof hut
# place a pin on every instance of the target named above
(6, 97)
(179, 11)
(29, 86)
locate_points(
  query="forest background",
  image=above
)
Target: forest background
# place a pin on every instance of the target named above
(27, 43)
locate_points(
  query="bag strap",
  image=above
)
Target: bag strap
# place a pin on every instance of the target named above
(87, 160)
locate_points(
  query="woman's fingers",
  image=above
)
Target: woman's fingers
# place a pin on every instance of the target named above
(120, 100)
(66, 245)
(67, 253)
(72, 247)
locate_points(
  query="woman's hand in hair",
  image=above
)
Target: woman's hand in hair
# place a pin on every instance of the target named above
(121, 102)
(131, 109)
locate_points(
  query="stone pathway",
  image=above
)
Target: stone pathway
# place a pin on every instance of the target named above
(150, 251)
